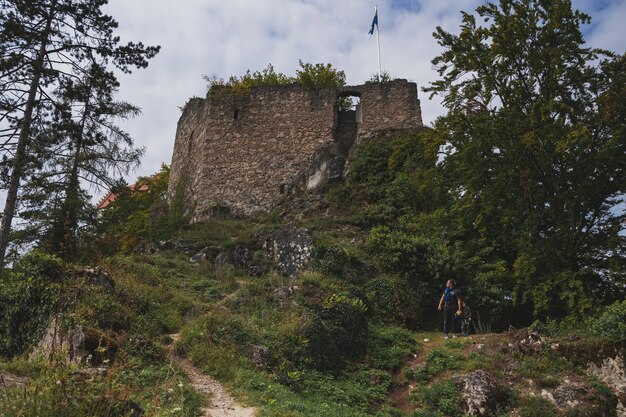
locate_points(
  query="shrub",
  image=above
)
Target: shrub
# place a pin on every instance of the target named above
(612, 323)
(444, 398)
(29, 295)
(385, 298)
(438, 361)
(388, 347)
(336, 331)
(335, 261)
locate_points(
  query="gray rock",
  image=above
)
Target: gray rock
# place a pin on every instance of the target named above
(612, 373)
(532, 343)
(240, 258)
(289, 247)
(479, 392)
(55, 339)
(74, 344)
(9, 380)
(260, 355)
(283, 294)
(567, 395)
(97, 276)
(198, 257)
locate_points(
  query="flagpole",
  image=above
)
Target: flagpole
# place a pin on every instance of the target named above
(378, 41)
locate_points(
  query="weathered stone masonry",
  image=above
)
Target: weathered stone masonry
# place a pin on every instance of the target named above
(247, 152)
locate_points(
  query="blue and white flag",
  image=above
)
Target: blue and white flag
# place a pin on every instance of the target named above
(374, 23)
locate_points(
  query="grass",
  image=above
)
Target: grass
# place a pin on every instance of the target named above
(62, 389)
(225, 318)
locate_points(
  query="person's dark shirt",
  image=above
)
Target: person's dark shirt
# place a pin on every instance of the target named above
(451, 297)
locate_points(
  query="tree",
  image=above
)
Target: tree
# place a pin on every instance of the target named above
(43, 44)
(535, 130)
(88, 149)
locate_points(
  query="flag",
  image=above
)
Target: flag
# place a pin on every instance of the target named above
(374, 23)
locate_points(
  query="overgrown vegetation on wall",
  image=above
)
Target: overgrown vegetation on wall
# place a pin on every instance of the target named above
(309, 75)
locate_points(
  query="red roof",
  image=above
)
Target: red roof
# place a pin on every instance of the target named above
(111, 196)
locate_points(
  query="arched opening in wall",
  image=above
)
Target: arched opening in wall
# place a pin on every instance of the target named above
(236, 114)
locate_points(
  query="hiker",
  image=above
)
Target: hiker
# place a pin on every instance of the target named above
(466, 318)
(450, 303)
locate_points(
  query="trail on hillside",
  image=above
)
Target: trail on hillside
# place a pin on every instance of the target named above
(400, 392)
(221, 403)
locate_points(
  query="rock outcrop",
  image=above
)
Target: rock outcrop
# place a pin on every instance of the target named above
(479, 391)
(289, 247)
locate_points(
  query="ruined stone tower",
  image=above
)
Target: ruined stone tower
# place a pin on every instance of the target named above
(248, 152)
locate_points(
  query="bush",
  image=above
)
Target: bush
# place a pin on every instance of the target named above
(337, 331)
(444, 398)
(384, 296)
(389, 346)
(29, 295)
(612, 323)
(333, 260)
(68, 390)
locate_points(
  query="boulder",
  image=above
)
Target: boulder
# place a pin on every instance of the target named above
(198, 257)
(479, 392)
(9, 380)
(97, 276)
(260, 356)
(289, 247)
(567, 395)
(533, 342)
(240, 258)
(612, 373)
(74, 344)
(283, 294)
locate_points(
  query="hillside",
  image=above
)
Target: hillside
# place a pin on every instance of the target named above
(292, 260)
(332, 335)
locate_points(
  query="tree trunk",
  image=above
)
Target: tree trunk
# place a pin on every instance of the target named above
(20, 153)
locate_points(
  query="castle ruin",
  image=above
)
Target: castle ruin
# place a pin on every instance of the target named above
(248, 152)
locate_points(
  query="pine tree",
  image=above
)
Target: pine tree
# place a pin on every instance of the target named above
(43, 44)
(88, 148)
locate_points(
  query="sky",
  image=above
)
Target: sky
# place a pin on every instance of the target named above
(227, 37)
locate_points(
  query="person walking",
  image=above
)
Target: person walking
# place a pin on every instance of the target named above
(450, 303)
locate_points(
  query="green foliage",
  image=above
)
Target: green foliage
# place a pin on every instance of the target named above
(438, 361)
(314, 76)
(389, 346)
(409, 256)
(612, 323)
(439, 399)
(243, 84)
(29, 296)
(338, 330)
(68, 390)
(536, 406)
(532, 151)
(334, 260)
(139, 214)
(384, 77)
(385, 296)
(319, 76)
(544, 367)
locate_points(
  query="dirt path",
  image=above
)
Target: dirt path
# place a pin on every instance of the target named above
(221, 404)
(400, 392)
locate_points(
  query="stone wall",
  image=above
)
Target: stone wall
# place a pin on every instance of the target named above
(248, 152)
